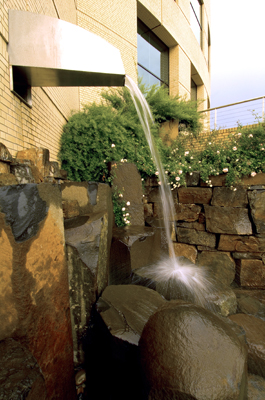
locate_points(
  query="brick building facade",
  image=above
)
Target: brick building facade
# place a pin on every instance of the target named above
(164, 41)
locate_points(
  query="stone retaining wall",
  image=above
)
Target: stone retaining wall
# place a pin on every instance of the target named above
(219, 227)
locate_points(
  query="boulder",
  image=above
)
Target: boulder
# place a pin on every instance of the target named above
(189, 353)
(187, 212)
(22, 172)
(4, 167)
(221, 265)
(8, 179)
(255, 335)
(248, 304)
(229, 220)
(5, 154)
(186, 250)
(20, 375)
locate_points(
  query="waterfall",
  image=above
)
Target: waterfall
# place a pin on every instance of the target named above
(171, 270)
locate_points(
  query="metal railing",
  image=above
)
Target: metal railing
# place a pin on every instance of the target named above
(246, 112)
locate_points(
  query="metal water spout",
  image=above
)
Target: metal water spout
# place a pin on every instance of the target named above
(46, 51)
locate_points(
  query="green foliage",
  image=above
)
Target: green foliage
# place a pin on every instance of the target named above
(122, 216)
(240, 155)
(111, 131)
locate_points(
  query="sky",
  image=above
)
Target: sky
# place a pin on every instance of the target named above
(237, 50)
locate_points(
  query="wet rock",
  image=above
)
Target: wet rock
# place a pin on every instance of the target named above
(231, 220)
(221, 265)
(158, 225)
(198, 226)
(256, 387)
(127, 179)
(193, 195)
(132, 247)
(221, 299)
(182, 249)
(225, 197)
(22, 172)
(250, 273)
(187, 212)
(255, 335)
(20, 375)
(247, 304)
(257, 206)
(180, 344)
(148, 210)
(34, 298)
(241, 243)
(125, 309)
(192, 236)
(8, 179)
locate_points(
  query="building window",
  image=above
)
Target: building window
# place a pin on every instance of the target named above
(193, 91)
(196, 19)
(153, 57)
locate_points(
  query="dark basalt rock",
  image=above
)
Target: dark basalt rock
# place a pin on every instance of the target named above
(189, 353)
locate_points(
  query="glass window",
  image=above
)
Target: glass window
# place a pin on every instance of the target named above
(195, 19)
(153, 57)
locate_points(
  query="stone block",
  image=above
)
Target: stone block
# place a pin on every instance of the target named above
(20, 375)
(51, 168)
(220, 265)
(70, 208)
(132, 247)
(5, 154)
(187, 212)
(182, 249)
(89, 236)
(218, 180)
(257, 207)
(34, 290)
(251, 273)
(39, 157)
(148, 210)
(241, 243)
(191, 225)
(4, 167)
(194, 195)
(7, 180)
(258, 179)
(229, 220)
(225, 197)
(192, 236)
(127, 180)
(22, 173)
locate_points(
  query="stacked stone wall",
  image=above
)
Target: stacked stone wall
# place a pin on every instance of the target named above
(219, 227)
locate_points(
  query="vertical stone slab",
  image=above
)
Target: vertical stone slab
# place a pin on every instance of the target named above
(32, 231)
(257, 206)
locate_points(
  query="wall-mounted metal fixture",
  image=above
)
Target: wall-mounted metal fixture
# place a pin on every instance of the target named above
(46, 51)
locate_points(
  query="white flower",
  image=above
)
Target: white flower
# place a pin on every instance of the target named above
(159, 183)
(156, 173)
(225, 169)
(120, 195)
(113, 145)
(142, 179)
(166, 172)
(128, 203)
(180, 171)
(210, 142)
(239, 134)
(127, 222)
(234, 148)
(191, 173)
(127, 214)
(253, 173)
(218, 152)
(177, 178)
(123, 209)
(191, 158)
(235, 189)
(237, 159)
(211, 185)
(250, 135)
(186, 153)
(262, 148)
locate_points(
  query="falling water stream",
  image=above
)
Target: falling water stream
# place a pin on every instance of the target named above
(177, 269)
